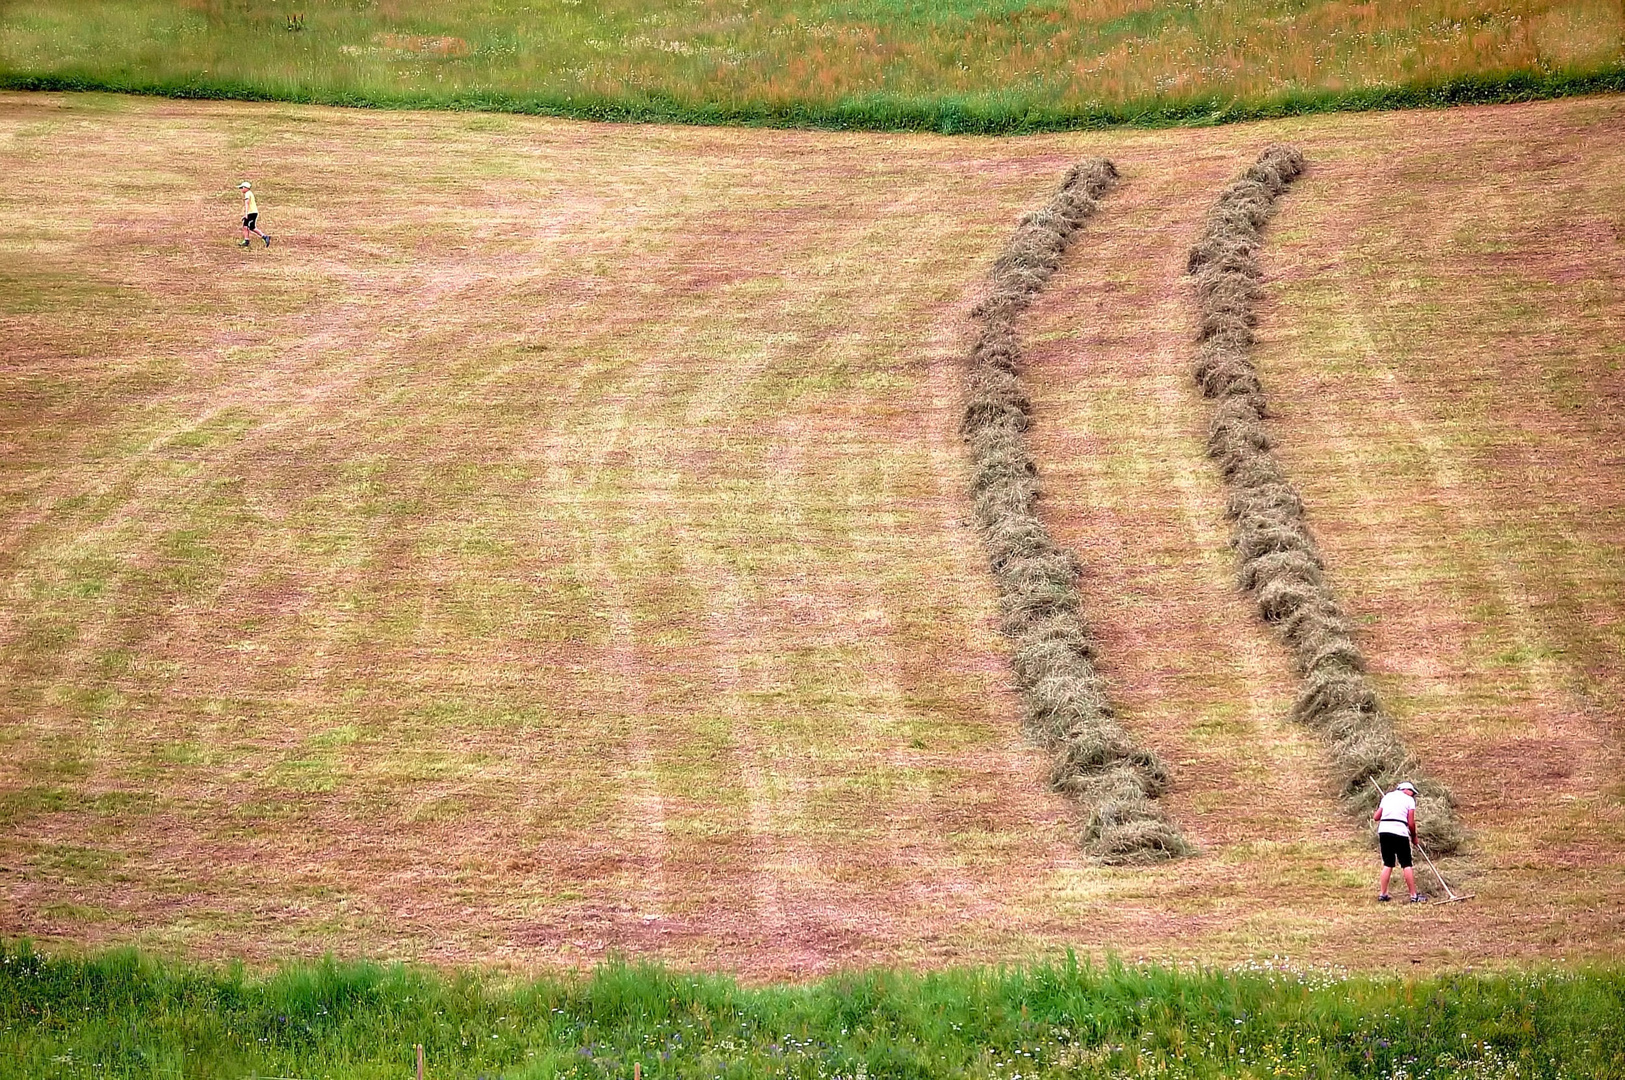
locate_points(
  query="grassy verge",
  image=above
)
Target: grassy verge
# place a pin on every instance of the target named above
(122, 1014)
(948, 114)
(971, 65)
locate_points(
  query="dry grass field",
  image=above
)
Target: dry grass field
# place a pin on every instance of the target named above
(557, 542)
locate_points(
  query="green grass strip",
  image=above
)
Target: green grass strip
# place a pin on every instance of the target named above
(120, 1014)
(989, 115)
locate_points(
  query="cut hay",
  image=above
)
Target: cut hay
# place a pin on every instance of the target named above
(1065, 707)
(1278, 562)
(1129, 831)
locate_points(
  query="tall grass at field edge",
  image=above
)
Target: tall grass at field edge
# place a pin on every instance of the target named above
(949, 115)
(122, 1014)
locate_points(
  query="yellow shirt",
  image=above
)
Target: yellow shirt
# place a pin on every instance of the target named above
(249, 205)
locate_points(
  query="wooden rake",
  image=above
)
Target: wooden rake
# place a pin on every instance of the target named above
(1453, 897)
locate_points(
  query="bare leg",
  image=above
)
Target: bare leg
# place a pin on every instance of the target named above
(1387, 872)
(1410, 880)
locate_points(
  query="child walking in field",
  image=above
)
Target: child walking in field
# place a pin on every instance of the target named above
(251, 214)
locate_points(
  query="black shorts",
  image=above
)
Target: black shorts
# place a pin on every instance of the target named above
(1396, 850)
(249, 219)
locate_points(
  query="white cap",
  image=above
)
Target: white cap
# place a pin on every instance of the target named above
(1406, 786)
(244, 184)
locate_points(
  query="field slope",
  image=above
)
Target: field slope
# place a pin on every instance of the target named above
(557, 541)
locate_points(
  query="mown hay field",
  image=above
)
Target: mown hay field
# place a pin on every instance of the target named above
(559, 541)
(967, 65)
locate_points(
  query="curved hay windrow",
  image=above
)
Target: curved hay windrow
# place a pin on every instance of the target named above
(1279, 562)
(1064, 700)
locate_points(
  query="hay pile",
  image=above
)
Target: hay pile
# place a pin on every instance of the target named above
(1065, 705)
(1280, 565)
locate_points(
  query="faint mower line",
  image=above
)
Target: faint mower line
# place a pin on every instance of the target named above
(1065, 705)
(1279, 562)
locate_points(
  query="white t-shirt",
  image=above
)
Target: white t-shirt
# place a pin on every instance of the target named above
(1396, 805)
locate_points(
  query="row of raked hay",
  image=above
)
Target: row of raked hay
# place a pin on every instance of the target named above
(1065, 703)
(1279, 563)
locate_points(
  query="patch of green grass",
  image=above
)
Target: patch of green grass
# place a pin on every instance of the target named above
(75, 913)
(229, 425)
(317, 773)
(70, 862)
(121, 1013)
(22, 803)
(39, 286)
(122, 803)
(966, 65)
(190, 562)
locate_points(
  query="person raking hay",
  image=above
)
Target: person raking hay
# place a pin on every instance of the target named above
(1396, 831)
